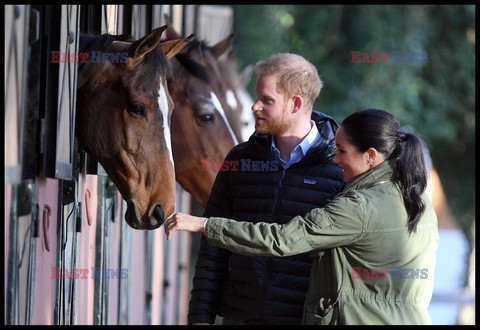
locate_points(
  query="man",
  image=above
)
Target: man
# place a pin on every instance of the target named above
(285, 169)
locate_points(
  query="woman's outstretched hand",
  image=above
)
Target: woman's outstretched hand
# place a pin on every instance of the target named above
(182, 221)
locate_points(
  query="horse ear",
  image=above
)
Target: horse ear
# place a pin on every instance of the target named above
(172, 47)
(232, 56)
(145, 45)
(171, 33)
(222, 46)
(247, 75)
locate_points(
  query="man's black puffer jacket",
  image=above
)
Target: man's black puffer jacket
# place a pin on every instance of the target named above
(263, 290)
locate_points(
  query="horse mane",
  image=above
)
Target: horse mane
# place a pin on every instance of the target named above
(191, 65)
(154, 61)
(90, 43)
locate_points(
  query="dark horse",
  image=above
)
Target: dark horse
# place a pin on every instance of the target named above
(123, 120)
(202, 132)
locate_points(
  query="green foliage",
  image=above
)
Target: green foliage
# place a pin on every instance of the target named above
(435, 98)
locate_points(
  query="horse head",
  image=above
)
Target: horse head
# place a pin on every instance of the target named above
(202, 134)
(123, 120)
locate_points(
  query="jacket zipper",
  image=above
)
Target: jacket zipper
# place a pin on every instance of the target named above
(274, 214)
(280, 190)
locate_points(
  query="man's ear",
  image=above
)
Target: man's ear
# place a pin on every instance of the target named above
(297, 103)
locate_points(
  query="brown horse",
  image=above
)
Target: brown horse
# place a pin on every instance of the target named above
(123, 120)
(202, 135)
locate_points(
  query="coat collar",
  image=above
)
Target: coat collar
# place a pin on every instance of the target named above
(379, 174)
(326, 126)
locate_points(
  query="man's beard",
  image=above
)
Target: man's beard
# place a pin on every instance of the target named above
(273, 126)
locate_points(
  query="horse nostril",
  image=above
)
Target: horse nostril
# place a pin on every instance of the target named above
(158, 213)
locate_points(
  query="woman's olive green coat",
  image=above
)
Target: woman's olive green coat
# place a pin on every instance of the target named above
(368, 269)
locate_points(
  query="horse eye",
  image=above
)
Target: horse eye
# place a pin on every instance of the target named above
(138, 109)
(208, 118)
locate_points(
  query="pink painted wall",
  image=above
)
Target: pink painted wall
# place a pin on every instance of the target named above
(157, 277)
(171, 292)
(86, 252)
(137, 278)
(8, 201)
(113, 285)
(44, 284)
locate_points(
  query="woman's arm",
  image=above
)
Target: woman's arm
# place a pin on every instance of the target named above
(319, 229)
(243, 237)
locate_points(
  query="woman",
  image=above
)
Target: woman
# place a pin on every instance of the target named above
(374, 245)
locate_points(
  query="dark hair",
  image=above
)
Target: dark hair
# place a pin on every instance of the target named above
(381, 130)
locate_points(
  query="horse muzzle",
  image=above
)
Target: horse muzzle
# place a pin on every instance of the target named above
(155, 219)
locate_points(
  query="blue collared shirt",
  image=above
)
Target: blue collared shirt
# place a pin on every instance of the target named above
(301, 149)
